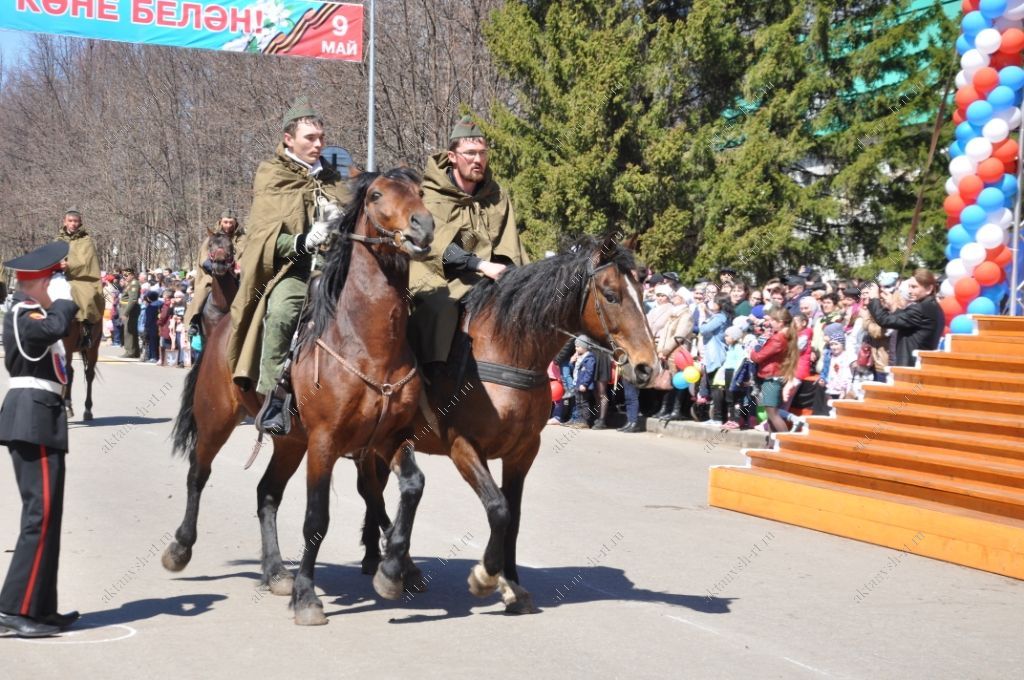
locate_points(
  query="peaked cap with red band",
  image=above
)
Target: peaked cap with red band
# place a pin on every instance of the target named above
(41, 262)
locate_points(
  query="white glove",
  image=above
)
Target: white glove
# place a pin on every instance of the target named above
(59, 288)
(317, 235)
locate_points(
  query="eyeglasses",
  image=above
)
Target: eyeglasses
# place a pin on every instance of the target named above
(470, 155)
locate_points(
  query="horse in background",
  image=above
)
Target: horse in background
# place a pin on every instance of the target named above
(90, 356)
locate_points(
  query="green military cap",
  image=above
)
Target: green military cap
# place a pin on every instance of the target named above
(301, 108)
(72, 211)
(466, 128)
(228, 214)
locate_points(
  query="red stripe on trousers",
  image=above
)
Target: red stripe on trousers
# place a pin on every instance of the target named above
(42, 536)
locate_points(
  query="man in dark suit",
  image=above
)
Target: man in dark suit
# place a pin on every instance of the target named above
(34, 426)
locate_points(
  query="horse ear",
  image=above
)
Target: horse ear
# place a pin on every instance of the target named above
(630, 242)
(606, 252)
(354, 170)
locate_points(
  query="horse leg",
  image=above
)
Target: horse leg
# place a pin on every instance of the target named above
(68, 405)
(284, 462)
(309, 610)
(179, 552)
(483, 577)
(516, 598)
(372, 478)
(389, 582)
(89, 358)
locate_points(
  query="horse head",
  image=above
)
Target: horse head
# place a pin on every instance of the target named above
(611, 311)
(395, 216)
(220, 254)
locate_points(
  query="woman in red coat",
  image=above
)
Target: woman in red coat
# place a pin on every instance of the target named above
(776, 364)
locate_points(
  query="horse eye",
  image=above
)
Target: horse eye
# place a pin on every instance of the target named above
(611, 297)
(375, 196)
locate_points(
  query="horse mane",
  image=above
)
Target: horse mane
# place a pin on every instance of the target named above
(337, 259)
(525, 303)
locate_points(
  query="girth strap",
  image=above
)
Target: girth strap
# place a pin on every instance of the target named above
(385, 389)
(510, 376)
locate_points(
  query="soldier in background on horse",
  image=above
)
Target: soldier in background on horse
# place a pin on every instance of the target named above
(83, 273)
(34, 426)
(475, 237)
(295, 197)
(229, 226)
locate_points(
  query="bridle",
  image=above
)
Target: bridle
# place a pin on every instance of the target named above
(617, 353)
(396, 239)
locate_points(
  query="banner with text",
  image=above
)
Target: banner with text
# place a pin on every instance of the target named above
(289, 27)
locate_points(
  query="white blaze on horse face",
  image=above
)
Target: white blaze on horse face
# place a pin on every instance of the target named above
(636, 299)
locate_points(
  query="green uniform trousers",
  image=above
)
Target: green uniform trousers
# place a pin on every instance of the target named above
(283, 308)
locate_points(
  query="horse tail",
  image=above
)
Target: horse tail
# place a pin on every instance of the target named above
(185, 433)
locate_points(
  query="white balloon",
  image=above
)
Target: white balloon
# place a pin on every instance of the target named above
(972, 255)
(996, 130)
(1002, 217)
(988, 41)
(951, 187)
(960, 167)
(946, 289)
(978, 149)
(972, 61)
(990, 235)
(961, 80)
(1003, 23)
(955, 270)
(1010, 115)
(1015, 13)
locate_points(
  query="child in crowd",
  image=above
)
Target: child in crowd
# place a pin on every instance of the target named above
(840, 370)
(776, 362)
(583, 374)
(804, 337)
(724, 397)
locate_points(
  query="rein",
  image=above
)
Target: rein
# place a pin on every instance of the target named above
(392, 238)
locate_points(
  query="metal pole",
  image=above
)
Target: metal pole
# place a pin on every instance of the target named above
(1015, 234)
(371, 163)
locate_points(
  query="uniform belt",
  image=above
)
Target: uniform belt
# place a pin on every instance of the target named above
(37, 384)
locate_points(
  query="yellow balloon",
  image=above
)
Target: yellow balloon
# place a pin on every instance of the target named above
(691, 374)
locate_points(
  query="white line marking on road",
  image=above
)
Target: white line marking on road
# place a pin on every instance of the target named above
(691, 623)
(64, 641)
(810, 668)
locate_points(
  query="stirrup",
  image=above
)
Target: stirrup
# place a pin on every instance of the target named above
(275, 416)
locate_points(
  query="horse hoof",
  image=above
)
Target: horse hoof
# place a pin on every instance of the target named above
(87, 415)
(385, 587)
(176, 558)
(414, 581)
(312, 615)
(481, 584)
(370, 565)
(516, 598)
(282, 584)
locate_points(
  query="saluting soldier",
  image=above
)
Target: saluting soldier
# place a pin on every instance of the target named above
(34, 427)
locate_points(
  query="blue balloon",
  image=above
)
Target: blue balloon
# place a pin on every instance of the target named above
(965, 132)
(992, 9)
(981, 305)
(993, 294)
(974, 23)
(1008, 185)
(958, 237)
(955, 150)
(990, 199)
(963, 45)
(979, 113)
(1002, 97)
(962, 324)
(1012, 77)
(973, 216)
(679, 382)
(952, 252)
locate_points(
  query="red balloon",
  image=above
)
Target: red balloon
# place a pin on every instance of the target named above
(959, 116)
(557, 390)
(991, 170)
(966, 289)
(985, 80)
(682, 358)
(954, 205)
(1006, 150)
(951, 307)
(1001, 60)
(968, 6)
(1010, 168)
(1013, 41)
(970, 187)
(1001, 256)
(952, 221)
(967, 95)
(987, 274)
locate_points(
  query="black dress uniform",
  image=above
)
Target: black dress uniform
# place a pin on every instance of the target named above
(33, 425)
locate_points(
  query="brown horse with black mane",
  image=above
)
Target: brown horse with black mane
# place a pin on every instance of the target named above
(355, 385)
(90, 355)
(494, 398)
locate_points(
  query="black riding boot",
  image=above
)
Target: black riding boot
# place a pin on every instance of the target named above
(85, 340)
(677, 412)
(275, 417)
(666, 405)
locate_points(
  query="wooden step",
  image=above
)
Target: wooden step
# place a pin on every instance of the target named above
(973, 361)
(953, 491)
(987, 401)
(869, 430)
(954, 377)
(974, 466)
(988, 344)
(957, 535)
(907, 413)
(1003, 325)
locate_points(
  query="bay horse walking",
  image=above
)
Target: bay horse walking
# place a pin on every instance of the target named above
(90, 356)
(493, 399)
(354, 380)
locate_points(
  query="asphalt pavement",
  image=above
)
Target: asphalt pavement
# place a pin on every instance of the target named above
(635, 575)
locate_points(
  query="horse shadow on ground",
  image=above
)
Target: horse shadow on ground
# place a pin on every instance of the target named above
(139, 610)
(116, 421)
(345, 586)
